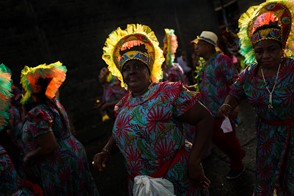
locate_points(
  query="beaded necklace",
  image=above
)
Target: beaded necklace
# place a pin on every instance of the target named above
(270, 104)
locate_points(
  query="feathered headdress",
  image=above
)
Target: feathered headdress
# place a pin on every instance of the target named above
(279, 12)
(134, 35)
(170, 45)
(30, 75)
(5, 95)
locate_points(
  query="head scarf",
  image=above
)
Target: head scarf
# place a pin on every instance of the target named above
(5, 95)
(124, 40)
(277, 17)
(30, 76)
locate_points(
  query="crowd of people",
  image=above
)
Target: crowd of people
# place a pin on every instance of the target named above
(166, 113)
(39, 153)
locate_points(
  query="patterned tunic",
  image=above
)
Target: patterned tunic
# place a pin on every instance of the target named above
(148, 133)
(66, 171)
(275, 127)
(217, 76)
(15, 117)
(10, 182)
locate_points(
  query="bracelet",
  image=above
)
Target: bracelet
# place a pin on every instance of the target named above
(106, 151)
(225, 104)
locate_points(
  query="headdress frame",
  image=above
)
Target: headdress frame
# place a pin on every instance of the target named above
(283, 10)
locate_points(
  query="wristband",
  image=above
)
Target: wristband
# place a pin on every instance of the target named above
(225, 104)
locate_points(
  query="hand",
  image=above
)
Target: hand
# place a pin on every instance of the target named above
(100, 160)
(233, 114)
(197, 176)
(103, 107)
(225, 110)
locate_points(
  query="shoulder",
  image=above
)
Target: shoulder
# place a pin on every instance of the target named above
(170, 86)
(221, 60)
(38, 113)
(289, 62)
(123, 101)
(249, 71)
(223, 57)
(251, 68)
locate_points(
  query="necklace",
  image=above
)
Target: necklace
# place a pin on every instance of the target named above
(270, 101)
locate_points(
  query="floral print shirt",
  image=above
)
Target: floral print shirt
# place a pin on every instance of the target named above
(217, 76)
(148, 132)
(275, 126)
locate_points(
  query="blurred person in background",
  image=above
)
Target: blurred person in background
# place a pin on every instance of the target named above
(11, 183)
(217, 74)
(53, 157)
(112, 93)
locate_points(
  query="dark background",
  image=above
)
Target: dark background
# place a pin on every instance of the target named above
(34, 32)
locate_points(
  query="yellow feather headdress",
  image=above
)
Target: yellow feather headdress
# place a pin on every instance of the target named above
(282, 11)
(133, 35)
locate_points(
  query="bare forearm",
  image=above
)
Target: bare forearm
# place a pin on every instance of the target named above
(47, 145)
(110, 146)
(231, 101)
(203, 138)
(228, 106)
(38, 153)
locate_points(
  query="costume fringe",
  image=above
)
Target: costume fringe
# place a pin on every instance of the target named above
(30, 75)
(5, 95)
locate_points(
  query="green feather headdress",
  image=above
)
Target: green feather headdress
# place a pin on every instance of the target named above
(5, 95)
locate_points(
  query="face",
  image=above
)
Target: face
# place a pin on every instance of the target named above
(268, 53)
(136, 75)
(202, 48)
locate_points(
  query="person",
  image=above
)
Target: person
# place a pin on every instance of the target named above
(112, 93)
(229, 44)
(198, 64)
(148, 126)
(184, 59)
(267, 84)
(172, 71)
(53, 157)
(218, 74)
(15, 115)
(11, 183)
